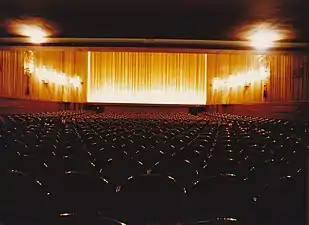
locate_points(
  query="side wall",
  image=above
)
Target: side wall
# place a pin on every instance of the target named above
(14, 83)
(17, 106)
(288, 110)
(288, 80)
(287, 86)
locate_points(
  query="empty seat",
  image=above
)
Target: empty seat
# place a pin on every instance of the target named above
(116, 171)
(224, 195)
(283, 201)
(152, 198)
(182, 170)
(23, 198)
(79, 192)
(139, 167)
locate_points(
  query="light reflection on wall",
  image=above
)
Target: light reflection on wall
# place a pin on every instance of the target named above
(48, 75)
(53, 76)
(242, 79)
(29, 65)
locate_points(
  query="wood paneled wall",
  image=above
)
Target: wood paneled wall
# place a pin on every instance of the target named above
(13, 81)
(289, 74)
(223, 65)
(73, 63)
(288, 81)
(290, 110)
(12, 78)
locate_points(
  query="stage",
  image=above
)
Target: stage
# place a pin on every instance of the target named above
(288, 110)
(107, 107)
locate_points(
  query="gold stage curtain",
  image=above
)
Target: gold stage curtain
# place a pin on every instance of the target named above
(147, 77)
(159, 78)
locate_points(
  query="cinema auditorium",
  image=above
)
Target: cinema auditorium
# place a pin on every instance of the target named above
(153, 132)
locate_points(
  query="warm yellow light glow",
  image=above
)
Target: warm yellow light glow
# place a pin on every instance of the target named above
(29, 64)
(157, 96)
(263, 37)
(147, 78)
(88, 74)
(75, 81)
(34, 32)
(35, 28)
(242, 79)
(31, 67)
(52, 76)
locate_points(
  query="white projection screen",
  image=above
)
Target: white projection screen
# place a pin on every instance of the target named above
(147, 77)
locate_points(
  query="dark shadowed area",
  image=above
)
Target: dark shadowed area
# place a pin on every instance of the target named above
(144, 112)
(219, 19)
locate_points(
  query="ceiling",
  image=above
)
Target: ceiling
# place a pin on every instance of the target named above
(190, 19)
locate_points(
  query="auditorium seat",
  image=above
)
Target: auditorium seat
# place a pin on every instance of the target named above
(224, 195)
(80, 192)
(152, 198)
(218, 221)
(182, 170)
(149, 157)
(23, 198)
(71, 218)
(117, 170)
(139, 167)
(284, 201)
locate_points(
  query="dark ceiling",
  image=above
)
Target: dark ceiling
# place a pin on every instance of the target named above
(190, 19)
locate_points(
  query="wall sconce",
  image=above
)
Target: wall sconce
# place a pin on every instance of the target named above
(45, 81)
(29, 63)
(48, 75)
(246, 78)
(52, 76)
(75, 82)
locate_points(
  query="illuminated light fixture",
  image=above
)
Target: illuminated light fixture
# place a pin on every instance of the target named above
(29, 65)
(44, 76)
(242, 79)
(35, 33)
(34, 28)
(52, 76)
(263, 37)
(75, 81)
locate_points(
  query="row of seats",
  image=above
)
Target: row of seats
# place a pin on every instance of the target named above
(150, 166)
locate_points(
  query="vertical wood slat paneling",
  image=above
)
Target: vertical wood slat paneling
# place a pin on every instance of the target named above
(223, 65)
(72, 63)
(146, 77)
(306, 79)
(286, 79)
(285, 82)
(13, 81)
